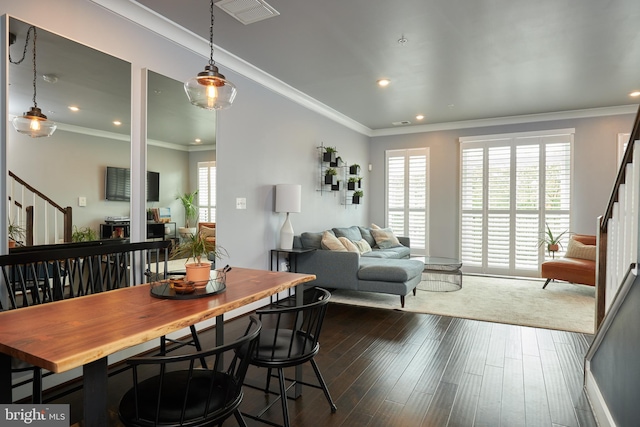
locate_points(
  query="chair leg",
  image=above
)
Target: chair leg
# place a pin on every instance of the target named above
(546, 283)
(283, 397)
(196, 342)
(239, 418)
(324, 386)
(266, 387)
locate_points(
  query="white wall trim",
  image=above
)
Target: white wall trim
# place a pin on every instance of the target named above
(598, 405)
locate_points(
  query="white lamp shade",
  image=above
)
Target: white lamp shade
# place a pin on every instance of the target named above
(288, 197)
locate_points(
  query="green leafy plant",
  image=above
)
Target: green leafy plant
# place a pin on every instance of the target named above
(188, 201)
(549, 239)
(83, 234)
(196, 246)
(358, 193)
(354, 179)
(330, 150)
(15, 231)
(354, 169)
(331, 171)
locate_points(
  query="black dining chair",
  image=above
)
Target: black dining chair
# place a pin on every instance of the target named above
(178, 393)
(290, 338)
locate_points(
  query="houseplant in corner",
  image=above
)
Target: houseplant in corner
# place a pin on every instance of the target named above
(188, 201)
(196, 246)
(15, 232)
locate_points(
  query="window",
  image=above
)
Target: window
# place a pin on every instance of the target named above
(207, 191)
(407, 198)
(511, 187)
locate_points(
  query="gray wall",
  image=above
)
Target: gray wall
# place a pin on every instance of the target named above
(595, 168)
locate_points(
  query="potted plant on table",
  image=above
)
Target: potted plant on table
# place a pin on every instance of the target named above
(196, 246)
(552, 241)
(188, 201)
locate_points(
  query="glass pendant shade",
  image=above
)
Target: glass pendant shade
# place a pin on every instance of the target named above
(210, 90)
(34, 124)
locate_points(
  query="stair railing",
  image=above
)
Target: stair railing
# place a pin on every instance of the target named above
(618, 228)
(45, 221)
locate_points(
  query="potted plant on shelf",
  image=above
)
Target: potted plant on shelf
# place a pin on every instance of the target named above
(552, 241)
(329, 154)
(330, 176)
(196, 246)
(351, 183)
(354, 169)
(188, 201)
(16, 233)
(336, 186)
(356, 197)
(83, 234)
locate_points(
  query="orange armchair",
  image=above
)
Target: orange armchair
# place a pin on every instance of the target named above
(577, 266)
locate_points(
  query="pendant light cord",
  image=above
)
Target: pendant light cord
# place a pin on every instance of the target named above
(24, 55)
(211, 61)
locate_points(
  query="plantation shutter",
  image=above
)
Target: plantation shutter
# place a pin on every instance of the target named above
(407, 196)
(512, 186)
(207, 191)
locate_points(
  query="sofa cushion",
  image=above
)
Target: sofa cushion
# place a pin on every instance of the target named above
(351, 233)
(385, 238)
(389, 270)
(366, 235)
(577, 249)
(311, 240)
(349, 245)
(393, 253)
(331, 242)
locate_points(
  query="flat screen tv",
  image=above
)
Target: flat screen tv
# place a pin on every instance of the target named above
(118, 185)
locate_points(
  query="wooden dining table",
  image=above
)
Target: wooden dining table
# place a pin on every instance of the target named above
(67, 334)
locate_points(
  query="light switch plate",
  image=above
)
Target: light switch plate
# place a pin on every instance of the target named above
(241, 203)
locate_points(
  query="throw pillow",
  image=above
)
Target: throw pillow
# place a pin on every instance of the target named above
(207, 231)
(348, 244)
(331, 242)
(366, 235)
(580, 250)
(311, 240)
(385, 238)
(375, 227)
(363, 246)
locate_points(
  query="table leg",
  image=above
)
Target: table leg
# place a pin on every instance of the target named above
(95, 393)
(5, 379)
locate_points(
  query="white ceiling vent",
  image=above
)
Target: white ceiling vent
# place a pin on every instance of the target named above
(248, 11)
(402, 123)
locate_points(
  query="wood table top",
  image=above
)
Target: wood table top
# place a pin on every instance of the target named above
(63, 335)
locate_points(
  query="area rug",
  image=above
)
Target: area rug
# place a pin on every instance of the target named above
(561, 306)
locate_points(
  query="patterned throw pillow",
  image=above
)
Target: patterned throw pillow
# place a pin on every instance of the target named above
(580, 250)
(385, 238)
(363, 246)
(331, 242)
(348, 244)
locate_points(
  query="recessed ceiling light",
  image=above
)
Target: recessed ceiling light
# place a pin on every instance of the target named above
(383, 82)
(419, 117)
(117, 122)
(635, 93)
(73, 108)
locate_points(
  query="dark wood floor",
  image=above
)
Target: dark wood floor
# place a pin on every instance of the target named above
(394, 368)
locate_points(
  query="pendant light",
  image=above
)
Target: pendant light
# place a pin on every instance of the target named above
(33, 123)
(209, 89)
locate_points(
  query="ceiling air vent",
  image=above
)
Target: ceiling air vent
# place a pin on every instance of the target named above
(248, 11)
(402, 123)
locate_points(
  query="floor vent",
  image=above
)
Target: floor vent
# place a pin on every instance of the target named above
(248, 11)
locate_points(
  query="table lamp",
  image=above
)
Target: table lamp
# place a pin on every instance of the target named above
(287, 200)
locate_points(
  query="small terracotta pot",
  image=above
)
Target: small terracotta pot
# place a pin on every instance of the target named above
(198, 273)
(553, 248)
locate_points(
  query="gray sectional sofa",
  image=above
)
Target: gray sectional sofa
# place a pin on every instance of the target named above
(386, 270)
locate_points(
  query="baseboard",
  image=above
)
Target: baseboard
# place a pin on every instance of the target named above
(598, 405)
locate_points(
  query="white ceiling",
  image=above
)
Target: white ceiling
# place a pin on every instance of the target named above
(463, 59)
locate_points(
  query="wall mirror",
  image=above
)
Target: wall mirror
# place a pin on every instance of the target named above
(69, 168)
(181, 148)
